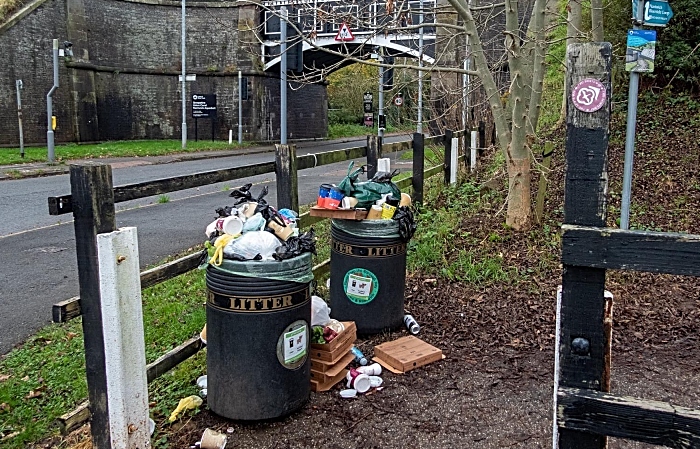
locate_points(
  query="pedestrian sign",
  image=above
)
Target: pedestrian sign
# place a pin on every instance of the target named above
(344, 33)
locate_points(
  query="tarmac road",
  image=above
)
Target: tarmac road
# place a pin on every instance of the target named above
(37, 251)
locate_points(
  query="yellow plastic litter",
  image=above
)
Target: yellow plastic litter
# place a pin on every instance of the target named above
(219, 244)
(188, 403)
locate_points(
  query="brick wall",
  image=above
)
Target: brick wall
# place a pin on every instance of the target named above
(122, 82)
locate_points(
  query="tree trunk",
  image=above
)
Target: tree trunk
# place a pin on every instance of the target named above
(597, 20)
(519, 211)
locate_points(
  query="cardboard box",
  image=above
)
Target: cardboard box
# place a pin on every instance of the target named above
(319, 386)
(334, 356)
(330, 373)
(347, 214)
(350, 331)
(405, 354)
(320, 366)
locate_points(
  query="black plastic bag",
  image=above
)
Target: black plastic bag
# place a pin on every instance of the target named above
(243, 194)
(295, 246)
(223, 212)
(407, 224)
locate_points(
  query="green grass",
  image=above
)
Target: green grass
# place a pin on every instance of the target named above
(338, 130)
(132, 148)
(7, 7)
(162, 199)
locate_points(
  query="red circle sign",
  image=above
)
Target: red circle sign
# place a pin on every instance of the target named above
(398, 101)
(589, 95)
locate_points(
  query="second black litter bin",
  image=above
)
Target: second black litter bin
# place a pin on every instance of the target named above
(258, 318)
(368, 274)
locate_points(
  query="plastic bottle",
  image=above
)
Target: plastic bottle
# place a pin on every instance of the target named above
(411, 324)
(359, 356)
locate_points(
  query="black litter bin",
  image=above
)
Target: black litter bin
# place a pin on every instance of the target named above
(368, 274)
(258, 318)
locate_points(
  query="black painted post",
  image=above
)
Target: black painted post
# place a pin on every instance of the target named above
(584, 346)
(418, 164)
(93, 213)
(286, 173)
(372, 155)
(482, 137)
(448, 156)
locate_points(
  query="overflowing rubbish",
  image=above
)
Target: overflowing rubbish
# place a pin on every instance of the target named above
(411, 324)
(358, 381)
(188, 403)
(375, 369)
(251, 229)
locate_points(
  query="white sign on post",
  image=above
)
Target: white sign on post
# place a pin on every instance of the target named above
(344, 33)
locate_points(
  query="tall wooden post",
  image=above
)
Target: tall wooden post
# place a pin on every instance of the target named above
(373, 155)
(584, 345)
(418, 167)
(448, 155)
(286, 173)
(93, 213)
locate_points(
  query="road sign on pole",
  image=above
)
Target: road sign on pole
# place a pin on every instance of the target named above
(657, 13)
(344, 33)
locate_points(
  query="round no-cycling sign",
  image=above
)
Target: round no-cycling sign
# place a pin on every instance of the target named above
(398, 101)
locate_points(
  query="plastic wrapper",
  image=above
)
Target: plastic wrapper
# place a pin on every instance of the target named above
(251, 245)
(297, 269)
(407, 224)
(367, 192)
(320, 312)
(294, 246)
(254, 223)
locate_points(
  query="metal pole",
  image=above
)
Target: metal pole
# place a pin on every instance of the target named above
(419, 126)
(19, 86)
(631, 127)
(240, 107)
(283, 75)
(380, 109)
(184, 80)
(49, 104)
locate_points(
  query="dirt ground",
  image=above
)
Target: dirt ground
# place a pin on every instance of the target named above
(494, 387)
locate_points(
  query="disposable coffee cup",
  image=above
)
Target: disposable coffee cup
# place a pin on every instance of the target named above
(212, 439)
(405, 200)
(374, 369)
(250, 209)
(375, 213)
(362, 383)
(229, 225)
(334, 198)
(349, 202)
(282, 232)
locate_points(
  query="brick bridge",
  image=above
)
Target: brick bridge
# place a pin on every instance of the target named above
(122, 80)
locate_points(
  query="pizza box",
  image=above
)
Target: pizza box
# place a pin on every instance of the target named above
(331, 372)
(347, 214)
(405, 354)
(350, 331)
(320, 366)
(335, 355)
(319, 386)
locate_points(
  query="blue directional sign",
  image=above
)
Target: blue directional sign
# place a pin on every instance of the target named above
(657, 13)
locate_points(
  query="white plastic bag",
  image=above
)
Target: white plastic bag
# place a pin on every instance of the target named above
(251, 244)
(320, 312)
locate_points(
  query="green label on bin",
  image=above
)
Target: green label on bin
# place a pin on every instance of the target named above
(360, 285)
(293, 345)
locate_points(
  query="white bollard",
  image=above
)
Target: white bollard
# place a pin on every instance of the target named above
(122, 327)
(472, 155)
(384, 164)
(230, 136)
(454, 150)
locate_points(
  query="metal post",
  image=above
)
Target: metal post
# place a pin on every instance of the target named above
(240, 107)
(380, 109)
(184, 80)
(283, 75)
(629, 139)
(19, 87)
(419, 126)
(49, 105)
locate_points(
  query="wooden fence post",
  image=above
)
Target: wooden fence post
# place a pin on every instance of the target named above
(93, 213)
(448, 155)
(286, 174)
(482, 137)
(418, 166)
(373, 155)
(583, 344)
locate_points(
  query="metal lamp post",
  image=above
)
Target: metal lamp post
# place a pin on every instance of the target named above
(183, 81)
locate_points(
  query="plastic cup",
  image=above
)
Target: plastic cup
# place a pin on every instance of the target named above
(374, 369)
(349, 202)
(229, 225)
(334, 198)
(362, 383)
(323, 191)
(375, 381)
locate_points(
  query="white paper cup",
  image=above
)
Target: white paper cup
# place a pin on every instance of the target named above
(212, 439)
(229, 225)
(362, 383)
(249, 210)
(375, 381)
(374, 369)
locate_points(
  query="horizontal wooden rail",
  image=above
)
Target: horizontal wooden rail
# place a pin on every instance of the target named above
(59, 205)
(329, 157)
(70, 308)
(625, 417)
(610, 248)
